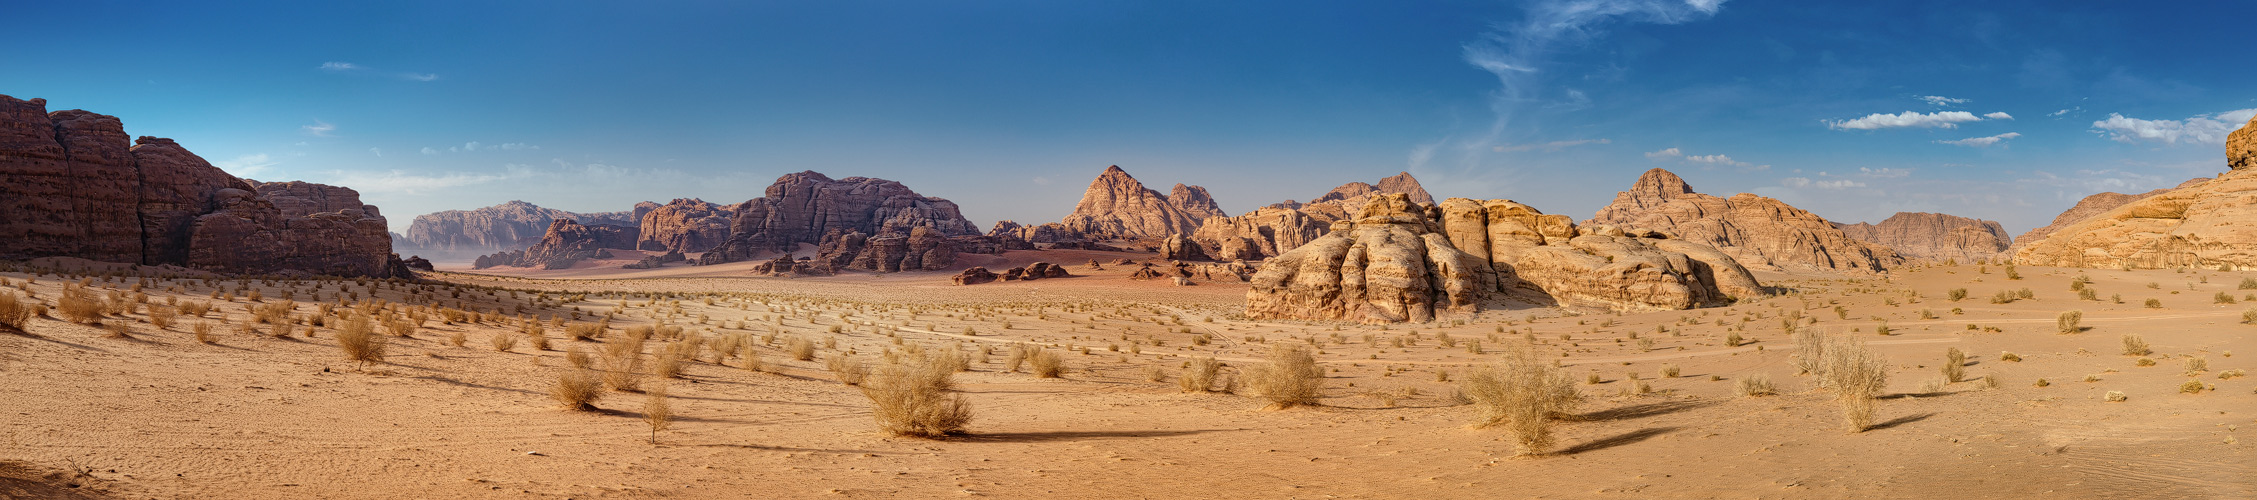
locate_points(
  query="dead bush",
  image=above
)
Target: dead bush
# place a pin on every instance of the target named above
(913, 398)
(849, 369)
(1525, 395)
(14, 313)
(1856, 375)
(78, 305)
(1754, 384)
(577, 389)
(1290, 378)
(359, 341)
(1046, 364)
(1199, 376)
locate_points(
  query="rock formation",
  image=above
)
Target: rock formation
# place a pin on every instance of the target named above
(565, 243)
(72, 185)
(2200, 224)
(656, 261)
(2086, 208)
(973, 276)
(1757, 231)
(684, 225)
(1116, 207)
(508, 226)
(1399, 261)
(805, 206)
(2241, 147)
(1923, 235)
(1263, 233)
(1177, 247)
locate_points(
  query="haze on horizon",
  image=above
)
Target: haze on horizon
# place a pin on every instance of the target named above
(2009, 111)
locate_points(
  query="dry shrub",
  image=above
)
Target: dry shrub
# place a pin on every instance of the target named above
(359, 341)
(577, 389)
(752, 361)
(849, 369)
(502, 342)
(195, 308)
(2192, 387)
(2069, 321)
(78, 305)
(800, 349)
(14, 313)
(203, 333)
(953, 358)
(1754, 384)
(623, 364)
(282, 330)
(578, 331)
(540, 337)
(579, 359)
(1199, 376)
(1523, 394)
(2136, 346)
(161, 317)
(1810, 350)
(2115, 396)
(1955, 365)
(118, 330)
(668, 362)
(1016, 357)
(1289, 378)
(1046, 364)
(457, 338)
(912, 398)
(400, 327)
(656, 412)
(1856, 374)
(273, 313)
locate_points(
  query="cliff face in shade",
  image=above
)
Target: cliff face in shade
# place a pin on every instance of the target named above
(1758, 232)
(685, 225)
(2241, 147)
(72, 186)
(2086, 208)
(1116, 206)
(508, 226)
(2203, 223)
(805, 206)
(1922, 235)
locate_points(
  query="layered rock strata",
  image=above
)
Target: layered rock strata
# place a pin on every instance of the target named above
(804, 207)
(1933, 236)
(2201, 224)
(1757, 231)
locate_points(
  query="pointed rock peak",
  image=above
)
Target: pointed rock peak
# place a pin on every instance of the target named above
(1403, 183)
(1662, 184)
(1115, 169)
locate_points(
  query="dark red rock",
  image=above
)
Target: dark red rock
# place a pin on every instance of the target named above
(975, 275)
(805, 206)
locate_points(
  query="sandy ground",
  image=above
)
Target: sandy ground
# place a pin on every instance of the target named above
(254, 416)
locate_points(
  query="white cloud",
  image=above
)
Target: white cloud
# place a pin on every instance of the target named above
(1517, 52)
(2067, 111)
(339, 66)
(420, 77)
(1805, 182)
(319, 128)
(2201, 129)
(1944, 119)
(246, 165)
(346, 67)
(1981, 142)
(396, 181)
(1941, 100)
(379, 152)
(1665, 154)
(1550, 146)
(1714, 159)
(1998, 115)
(430, 152)
(1884, 173)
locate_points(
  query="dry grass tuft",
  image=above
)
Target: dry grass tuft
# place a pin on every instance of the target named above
(1754, 384)
(357, 337)
(2136, 346)
(2192, 386)
(1045, 364)
(1199, 375)
(912, 398)
(2115, 396)
(800, 349)
(1290, 377)
(623, 364)
(14, 313)
(1955, 365)
(577, 389)
(1525, 395)
(78, 305)
(1856, 374)
(2069, 322)
(849, 369)
(656, 412)
(203, 333)
(502, 341)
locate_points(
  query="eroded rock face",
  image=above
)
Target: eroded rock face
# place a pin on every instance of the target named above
(2241, 147)
(973, 276)
(2086, 208)
(684, 225)
(1178, 247)
(1116, 206)
(72, 185)
(2204, 225)
(508, 226)
(805, 206)
(1932, 236)
(566, 243)
(1389, 264)
(1757, 231)
(1263, 233)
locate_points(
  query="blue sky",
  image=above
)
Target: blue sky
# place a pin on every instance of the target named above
(2007, 110)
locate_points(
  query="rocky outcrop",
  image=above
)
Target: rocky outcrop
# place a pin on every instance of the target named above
(684, 225)
(1116, 206)
(1035, 271)
(1399, 261)
(2200, 224)
(973, 276)
(508, 226)
(71, 185)
(805, 206)
(1932, 236)
(1263, 233)
(1195, 202)
(1759, 232)
(1354, 194)
(656, 261)
(2086, 208)
(418, 263)
(1177, 247)
(564, 244)
(2241, 147)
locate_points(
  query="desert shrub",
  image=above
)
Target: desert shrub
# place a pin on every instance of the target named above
(1958, 293)
(2136, 346)
(2192, 387)
(2025, 293)
(400, 327)
(913, 398)
(1754, 384)
(800, 349)
(2196, 365)
(1955, 365)
(2144, 361)
(1045, 364)
(2008, 356)
(667, 364)
(2231, 374)
(273, 313)
(2069, 322)
(357, 337)
(162, 317)
(1856, 374)
(282, 330)
(1734, 339)
(2154, 303)
(1525, 395)
(1289, 378)
(203, 332)
(1199, 374)
(577, 389)
(14, 313)
(1669, 371)
(656, 412)
(1810, 350)
(502, 342)
(2003, 297)
(582, 331)
(752, 359)
(579, 359)
(2248, 284)
(78, 305)
(2011, 273)
(623, 364)
(2088, 294)
(2249, 317)
(848, 369)
(195, 308)
(2115, 396)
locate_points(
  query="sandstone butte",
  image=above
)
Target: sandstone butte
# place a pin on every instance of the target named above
(686, 225)
(72, 185)
(2204, 223)
(509, 226)
(1757, 231)
(1396, 260)
(1118, 207)
(1272, 230)
(1936, 237)
(804, 207)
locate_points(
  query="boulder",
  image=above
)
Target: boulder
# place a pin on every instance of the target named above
(2241, 147)
(418, 263)
(1145, 273)
(1932, 236)
(973, 276)
(1178, 247)
(1046, 270)
(1757, 231)
(656, 261)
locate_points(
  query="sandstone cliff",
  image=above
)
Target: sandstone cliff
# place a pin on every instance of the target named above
(2241, 147)
(805, 206)
(1922, 235)
(2200, 224)
(1274, 229)
(685, 225)
(565, 243)
(73, 186)
(1758, 232)
(1116, 206)
(2086, 208)
(508, 226)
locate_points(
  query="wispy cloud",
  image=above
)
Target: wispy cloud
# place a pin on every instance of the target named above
(1516, 53)
(1549, 146)
(430, 152)
(2066, 111)
(339, 66)
(1981, 142)
(1909, 119)
(2200, 129)
(379, 151)
(350, 68)
(1666, 154)
(1938, 100)
(319, 128)
(397, 181)
(1884, 173)
(1805, 182)
(1712, 159)
(1998, 115)
(247, 165)
(480, 146)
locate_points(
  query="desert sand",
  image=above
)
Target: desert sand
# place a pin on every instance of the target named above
(250, 415)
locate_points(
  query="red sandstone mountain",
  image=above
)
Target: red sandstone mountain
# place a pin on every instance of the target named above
(1922, 235)
(508, 226)
(805, 207)
(1759, 232)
